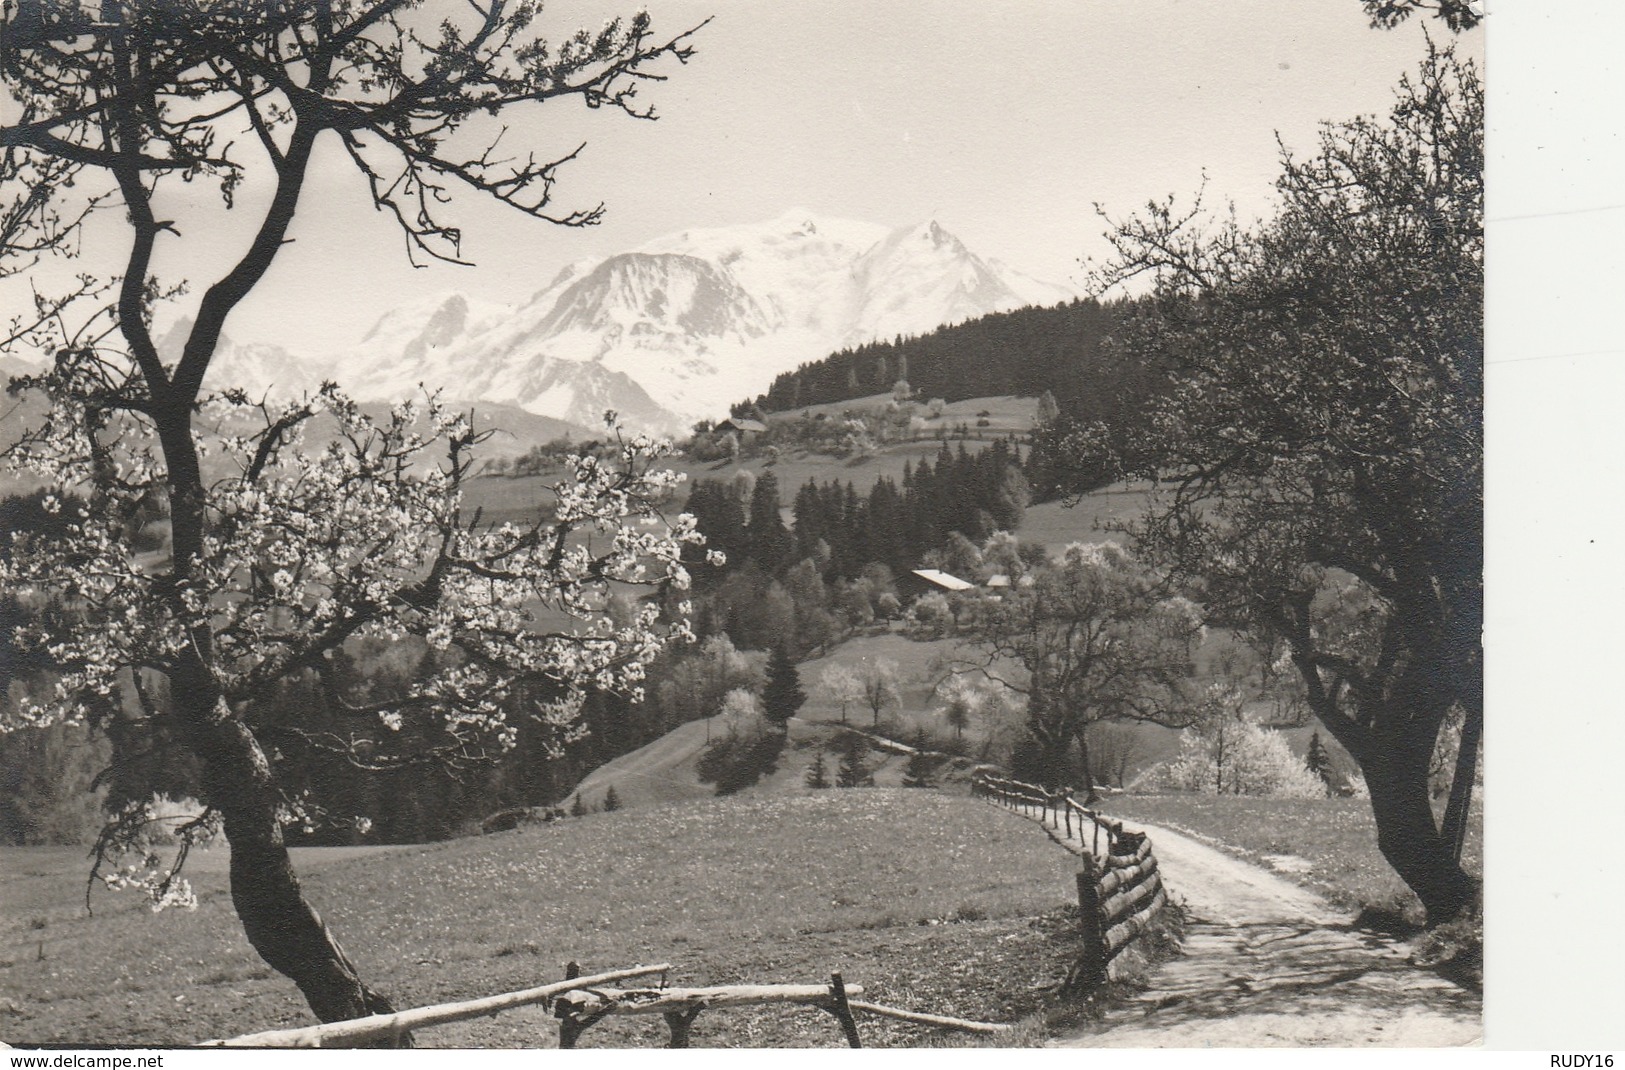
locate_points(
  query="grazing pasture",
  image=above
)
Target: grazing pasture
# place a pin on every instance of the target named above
(932, 902)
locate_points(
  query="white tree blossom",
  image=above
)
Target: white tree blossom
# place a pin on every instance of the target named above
(312, 545)
(1228, 753)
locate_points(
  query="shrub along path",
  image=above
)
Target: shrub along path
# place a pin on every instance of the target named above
(1267, 963)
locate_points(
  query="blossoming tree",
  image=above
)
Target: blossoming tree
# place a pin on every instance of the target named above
(283, 551)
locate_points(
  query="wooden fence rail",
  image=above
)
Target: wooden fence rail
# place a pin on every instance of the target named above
(1120, 889)
(392, 1027)
(579, 1009)
(579, 1001)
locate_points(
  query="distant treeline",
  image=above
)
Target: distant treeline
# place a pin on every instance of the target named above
(843, 530)
(1024, 352)
(1066, 351)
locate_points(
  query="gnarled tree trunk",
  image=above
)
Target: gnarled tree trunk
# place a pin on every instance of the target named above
(1395, 762)
(280, 924)
(238, 781)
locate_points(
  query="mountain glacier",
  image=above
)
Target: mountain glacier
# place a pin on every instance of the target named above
(674, 331)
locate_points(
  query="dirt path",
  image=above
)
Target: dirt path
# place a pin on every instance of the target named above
(1267, 963)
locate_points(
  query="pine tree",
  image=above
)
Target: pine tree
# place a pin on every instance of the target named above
(770, 541)
(578, 808)
(818, 772)
(1319, 762)
(853, 771)
(612, 801)
(921, 770)
(782, 696)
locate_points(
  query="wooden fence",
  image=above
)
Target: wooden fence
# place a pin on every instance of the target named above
(579, 1001)
(1120, 887)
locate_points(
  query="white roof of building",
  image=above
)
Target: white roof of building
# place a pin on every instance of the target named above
(942, 579)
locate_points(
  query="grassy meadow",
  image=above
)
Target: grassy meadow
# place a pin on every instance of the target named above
(930, 901)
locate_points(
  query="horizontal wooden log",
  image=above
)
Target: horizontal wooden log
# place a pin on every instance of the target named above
(598, 1001)
(1004, 784)
(1119, 935)
(962, 1024)
(383, 1026)
(1125, 861)
(1123, 903)
(1116, 880)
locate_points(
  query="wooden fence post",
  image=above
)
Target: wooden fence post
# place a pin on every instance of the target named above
(842, 1010)
(570, 1030)
(679, 1021)
(1091, 967)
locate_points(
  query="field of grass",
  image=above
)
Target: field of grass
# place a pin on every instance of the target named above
(932, 902)
(1053, 524)
(1336, 837)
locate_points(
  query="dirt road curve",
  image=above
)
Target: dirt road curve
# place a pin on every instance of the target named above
(1267, 963)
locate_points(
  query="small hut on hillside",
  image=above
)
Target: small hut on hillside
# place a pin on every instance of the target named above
(744, 427)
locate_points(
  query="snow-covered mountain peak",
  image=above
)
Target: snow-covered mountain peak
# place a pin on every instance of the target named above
(686, 324)
(259, 368)
(657, 293)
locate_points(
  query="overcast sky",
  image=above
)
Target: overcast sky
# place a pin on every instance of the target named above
(1004, 121)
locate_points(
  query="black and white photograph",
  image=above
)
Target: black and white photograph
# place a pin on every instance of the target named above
(741, 525)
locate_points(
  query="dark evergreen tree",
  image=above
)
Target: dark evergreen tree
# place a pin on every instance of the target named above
(720, 517)
(769, 540)
(1319, 762)
(612, 801)
(782, 696)
(738, 762)
(577, 807)
(921, 770)
(853, 772)
(818, 772)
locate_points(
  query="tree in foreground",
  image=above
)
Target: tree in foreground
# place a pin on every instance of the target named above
(1092, 638)
(1323, 447)
(782, 696)
(280, 555)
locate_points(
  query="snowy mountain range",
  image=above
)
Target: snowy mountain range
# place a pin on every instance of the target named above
(669, 333)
